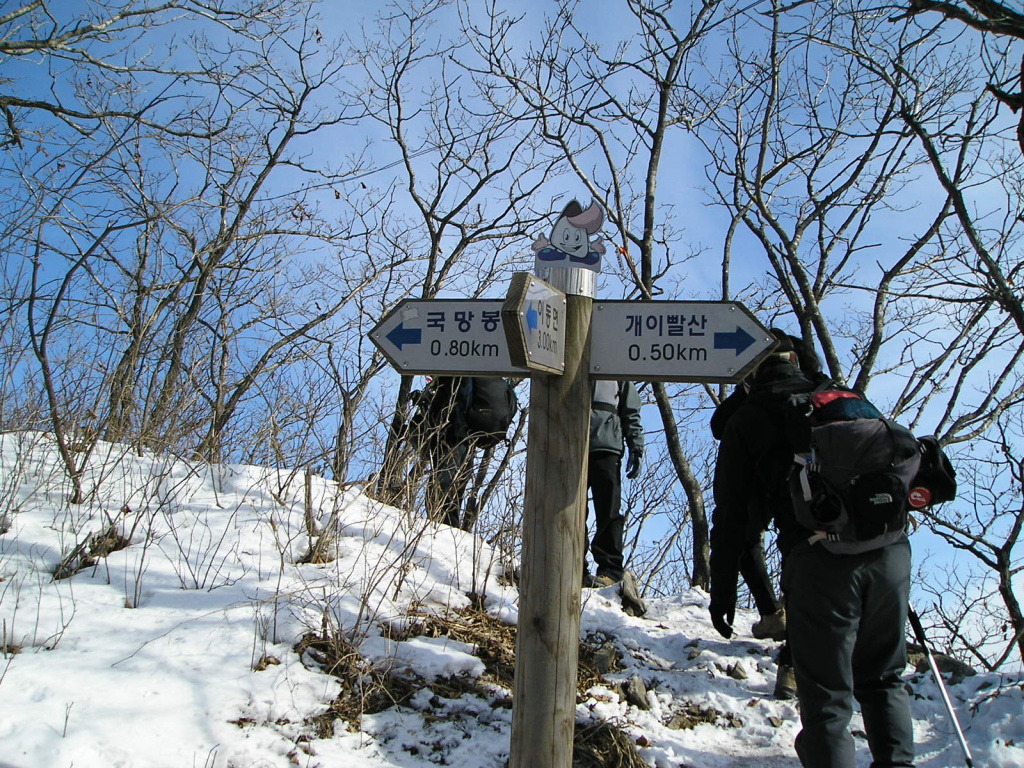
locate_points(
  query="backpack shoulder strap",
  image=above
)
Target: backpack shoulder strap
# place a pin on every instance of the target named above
(824, 385)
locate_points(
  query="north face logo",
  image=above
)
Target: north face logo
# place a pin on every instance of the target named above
(881, 498)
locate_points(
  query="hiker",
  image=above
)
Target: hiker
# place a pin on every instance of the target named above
(456, 416)
(615, 429)
(737, 544)
(845, 613)
(749, 558)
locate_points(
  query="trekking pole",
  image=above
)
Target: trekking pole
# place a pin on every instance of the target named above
(915, 622)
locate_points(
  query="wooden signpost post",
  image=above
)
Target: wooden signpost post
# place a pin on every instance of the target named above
(554, 524)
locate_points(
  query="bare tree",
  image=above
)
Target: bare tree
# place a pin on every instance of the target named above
(609, 111)
(975, 154)
(464, 171)
(71, 400)
(805, 166)
(179, 258)
(188, 269)
(92, 52)
(987, 525)
(997, 20)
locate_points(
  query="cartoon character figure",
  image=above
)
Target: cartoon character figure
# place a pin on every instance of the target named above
(570, 238)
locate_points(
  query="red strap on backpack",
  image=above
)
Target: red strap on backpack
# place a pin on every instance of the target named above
(818, 399)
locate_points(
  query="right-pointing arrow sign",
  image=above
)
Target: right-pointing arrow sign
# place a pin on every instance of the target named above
(738, 340)
(718, 341)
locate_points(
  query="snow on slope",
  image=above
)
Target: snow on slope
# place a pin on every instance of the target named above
(206, 643)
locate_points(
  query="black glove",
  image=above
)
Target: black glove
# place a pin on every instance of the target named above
(633, 463)
(722, 618)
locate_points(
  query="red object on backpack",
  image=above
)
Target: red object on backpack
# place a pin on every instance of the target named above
(919, 497)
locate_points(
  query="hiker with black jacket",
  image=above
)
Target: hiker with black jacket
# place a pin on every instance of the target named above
(845, 614)
(737, 545)
(751, 561)
(615, 428)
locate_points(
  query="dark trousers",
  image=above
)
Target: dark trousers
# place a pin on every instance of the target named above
(846, 617)
(755, 575)
(605, 484)
(451, 467)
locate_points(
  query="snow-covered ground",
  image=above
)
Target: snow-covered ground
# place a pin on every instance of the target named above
(206, 643)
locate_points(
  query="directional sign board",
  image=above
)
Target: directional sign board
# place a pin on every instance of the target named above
(686, 341)
(534, 317)
(446, 336)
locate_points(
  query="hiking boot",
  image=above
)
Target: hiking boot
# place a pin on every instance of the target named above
(604, 581)
(785, 683)
(632, 603)
(770, 627)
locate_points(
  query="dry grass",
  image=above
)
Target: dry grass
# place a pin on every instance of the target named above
(87, 553)
(494, 641)
(495, 644)
(598, 656)
(602, 744)
(690, 715)
(367, 690)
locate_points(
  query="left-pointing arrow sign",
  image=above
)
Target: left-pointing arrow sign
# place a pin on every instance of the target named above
(446, 336)
(400, 336)
(534, 316)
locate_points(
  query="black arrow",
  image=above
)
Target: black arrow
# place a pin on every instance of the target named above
(738, 340)
(400, 335)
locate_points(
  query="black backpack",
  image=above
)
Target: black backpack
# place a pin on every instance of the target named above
(853, 470)
(488, 405)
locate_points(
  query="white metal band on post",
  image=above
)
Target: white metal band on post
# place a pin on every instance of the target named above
(570, 280)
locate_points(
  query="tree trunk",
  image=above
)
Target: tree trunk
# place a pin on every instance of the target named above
(701, 574)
